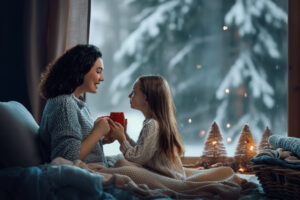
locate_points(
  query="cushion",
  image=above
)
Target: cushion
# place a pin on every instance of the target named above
(18, 136)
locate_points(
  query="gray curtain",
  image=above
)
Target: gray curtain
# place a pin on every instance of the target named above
(53, 27)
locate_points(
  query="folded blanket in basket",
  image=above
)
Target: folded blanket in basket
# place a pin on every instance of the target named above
(287, 143)
(280, 153)
(265, 159)
(277, 157)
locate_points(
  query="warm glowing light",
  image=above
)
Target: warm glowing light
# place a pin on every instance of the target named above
(199, 66)
(241, 169)
(228, 125)
(229, 139)
(225, 28)
(245, 95)
(214, 142)
(202, 132)
(227, 91)
(251, 148)
(190, 120)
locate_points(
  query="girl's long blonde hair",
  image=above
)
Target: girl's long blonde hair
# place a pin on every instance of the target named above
(158, 95)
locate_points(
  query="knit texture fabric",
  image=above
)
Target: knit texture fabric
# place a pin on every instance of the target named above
(65, 123)
(291, 144)
(146, 152)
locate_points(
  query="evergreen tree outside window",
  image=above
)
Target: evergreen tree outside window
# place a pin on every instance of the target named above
(225, 61)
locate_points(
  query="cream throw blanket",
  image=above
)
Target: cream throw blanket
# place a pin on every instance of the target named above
(216, 183)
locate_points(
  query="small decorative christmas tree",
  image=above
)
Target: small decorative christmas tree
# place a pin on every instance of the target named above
(245, 150)
(264, 144)
(214, 146)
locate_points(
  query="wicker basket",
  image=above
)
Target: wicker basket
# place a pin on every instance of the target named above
(277, 181)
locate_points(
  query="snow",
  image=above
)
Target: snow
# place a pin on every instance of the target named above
(233, 78)
(121, 80)
(276, 13)
(244, 12)
(270, 45)
(188, 84)
(182, 53)
(241, 70)
(145, 12)
(239, 16)
(149, 27)
(99, 16)
(221, 112)
(259, 85)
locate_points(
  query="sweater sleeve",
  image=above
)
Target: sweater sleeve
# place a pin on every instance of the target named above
(131, 141)
(145, 147)
(65, 129)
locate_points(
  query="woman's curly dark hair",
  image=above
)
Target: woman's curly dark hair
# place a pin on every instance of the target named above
(66, 73)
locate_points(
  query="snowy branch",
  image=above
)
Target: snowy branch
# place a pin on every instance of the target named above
(242, 69)
(149, 26)
(244, 12)
(187, 49)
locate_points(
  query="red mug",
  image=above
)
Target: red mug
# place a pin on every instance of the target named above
(118, 117)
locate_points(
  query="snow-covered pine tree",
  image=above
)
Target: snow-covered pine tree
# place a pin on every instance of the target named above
(264, 144)
(214, 146)
(246, 148)
(260, 61)
(176, 39)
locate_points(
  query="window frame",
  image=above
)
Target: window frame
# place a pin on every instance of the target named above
(293, 69)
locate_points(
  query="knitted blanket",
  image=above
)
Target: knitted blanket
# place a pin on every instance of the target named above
(287, 143)
(217, 183)
(277, 157)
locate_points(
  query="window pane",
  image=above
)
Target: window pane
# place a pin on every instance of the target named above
(225, 61)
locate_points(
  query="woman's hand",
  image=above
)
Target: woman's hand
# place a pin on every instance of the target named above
(101, 127)
(117, 131)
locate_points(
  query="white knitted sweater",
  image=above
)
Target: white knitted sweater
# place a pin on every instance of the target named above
(145, 152)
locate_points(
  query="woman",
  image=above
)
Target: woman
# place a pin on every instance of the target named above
(67, 129)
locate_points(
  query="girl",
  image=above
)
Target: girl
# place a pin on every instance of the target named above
(67, 129)
(159, 145)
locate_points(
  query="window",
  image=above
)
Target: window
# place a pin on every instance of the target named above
(224, 61)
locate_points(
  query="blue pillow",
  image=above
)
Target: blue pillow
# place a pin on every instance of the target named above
(18, 136)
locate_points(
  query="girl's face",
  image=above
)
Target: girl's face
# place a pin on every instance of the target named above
(93, 78)
(137, 98)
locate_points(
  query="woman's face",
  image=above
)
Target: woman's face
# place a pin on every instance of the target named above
(93, 78)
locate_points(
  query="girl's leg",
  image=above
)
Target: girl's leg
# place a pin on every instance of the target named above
(123, 162)
(213, 174)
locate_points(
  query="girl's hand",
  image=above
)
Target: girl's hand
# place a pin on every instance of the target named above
(108, 139)
(101, 126)
(125, 129)
(117, 130)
